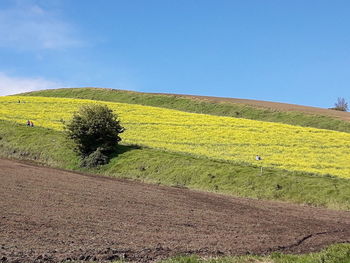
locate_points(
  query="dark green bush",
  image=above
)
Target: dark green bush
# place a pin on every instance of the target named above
(95, 131)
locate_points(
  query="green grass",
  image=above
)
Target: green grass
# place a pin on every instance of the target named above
(334, 254)
(51, 148)
(37, 144)
(200, 106)
(339, 253)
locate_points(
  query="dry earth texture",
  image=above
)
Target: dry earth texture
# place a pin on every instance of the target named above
(50, 215)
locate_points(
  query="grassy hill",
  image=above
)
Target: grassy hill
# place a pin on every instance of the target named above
(198, 105)
(48, 146)
(237, 140)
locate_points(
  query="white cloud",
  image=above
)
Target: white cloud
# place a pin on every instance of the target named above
(13, 85)
(29, 26)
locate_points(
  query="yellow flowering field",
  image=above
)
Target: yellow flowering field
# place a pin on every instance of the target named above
(239, 140)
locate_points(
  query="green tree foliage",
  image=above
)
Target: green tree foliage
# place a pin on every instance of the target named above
(95, 130)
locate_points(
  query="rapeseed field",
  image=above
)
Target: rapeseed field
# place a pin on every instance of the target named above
(237, 140)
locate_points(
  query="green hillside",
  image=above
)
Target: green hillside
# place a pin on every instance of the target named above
(199, 106)
(50, 147)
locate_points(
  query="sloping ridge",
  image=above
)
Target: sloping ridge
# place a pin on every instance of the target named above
(278, 106)
(273, 106)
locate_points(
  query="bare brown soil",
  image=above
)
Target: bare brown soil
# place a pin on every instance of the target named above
(50, 215)
(270, 105)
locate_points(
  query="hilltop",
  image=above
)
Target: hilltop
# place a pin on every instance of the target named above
(238, 108)
(274, 106)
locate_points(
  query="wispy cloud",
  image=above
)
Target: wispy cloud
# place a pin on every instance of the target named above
(13, 85)
(26, 25)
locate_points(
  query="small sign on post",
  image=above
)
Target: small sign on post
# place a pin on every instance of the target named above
(258, 158)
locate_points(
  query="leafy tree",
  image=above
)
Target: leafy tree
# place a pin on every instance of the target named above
(341, 105)
(95, 130)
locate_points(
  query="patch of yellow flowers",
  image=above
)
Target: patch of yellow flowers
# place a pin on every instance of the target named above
(224, 138)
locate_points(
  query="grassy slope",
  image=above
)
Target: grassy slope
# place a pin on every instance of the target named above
(199, 106)
(37, 144)
(334, 254)
(50, 147)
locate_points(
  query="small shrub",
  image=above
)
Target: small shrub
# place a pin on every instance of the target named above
(95, 131)
(341, 105)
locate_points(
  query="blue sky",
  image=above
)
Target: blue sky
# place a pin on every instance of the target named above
(295, 51)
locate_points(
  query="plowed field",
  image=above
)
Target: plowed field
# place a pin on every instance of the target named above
(49, 215)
